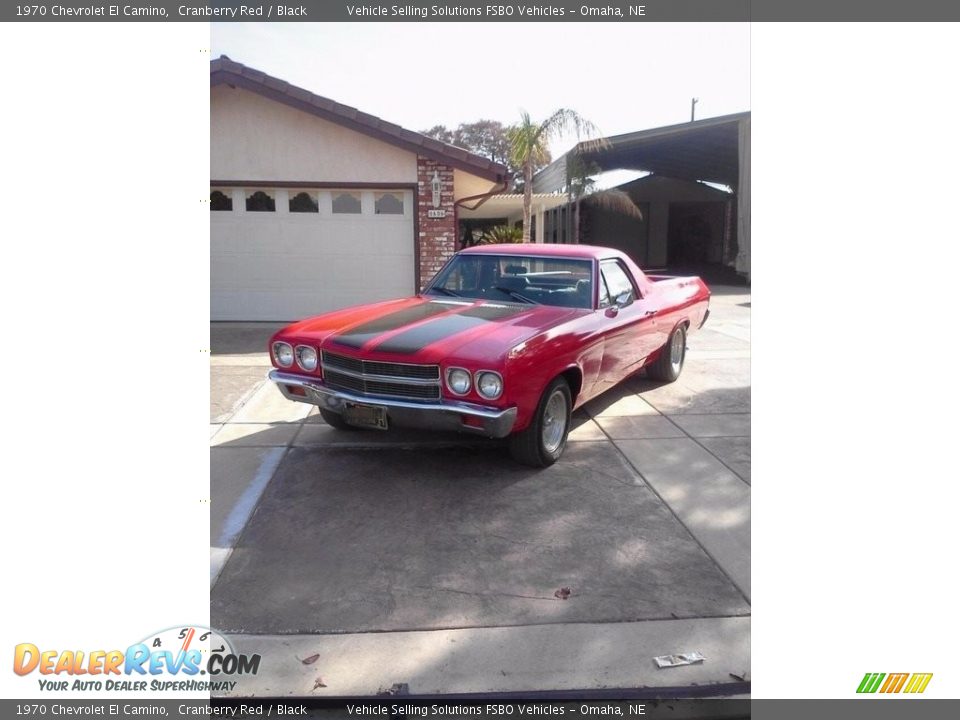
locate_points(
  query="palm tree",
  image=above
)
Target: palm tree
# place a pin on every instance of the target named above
(581, 186)
(529, 143)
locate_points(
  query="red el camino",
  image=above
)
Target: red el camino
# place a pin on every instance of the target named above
(506, 341)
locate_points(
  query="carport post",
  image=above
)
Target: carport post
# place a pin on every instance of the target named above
(743, 200)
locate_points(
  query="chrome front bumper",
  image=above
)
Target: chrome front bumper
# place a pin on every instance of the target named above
(443, 415)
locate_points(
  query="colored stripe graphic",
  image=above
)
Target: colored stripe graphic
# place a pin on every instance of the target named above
(870, 682)
(894, 682)
(918, 683)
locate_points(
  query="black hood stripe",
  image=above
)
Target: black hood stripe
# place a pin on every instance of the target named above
(416, 338)
(357, 337)
(494, 312)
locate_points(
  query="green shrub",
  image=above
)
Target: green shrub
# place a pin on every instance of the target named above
(501, 234)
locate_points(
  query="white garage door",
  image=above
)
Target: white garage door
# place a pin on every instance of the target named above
(285, 254)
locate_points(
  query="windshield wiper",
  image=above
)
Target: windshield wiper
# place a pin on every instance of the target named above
(444, 291)
(514, 294)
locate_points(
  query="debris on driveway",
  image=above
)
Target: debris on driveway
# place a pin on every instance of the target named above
(395, 689)
(310, 660)
(562, 593)
(690, 658)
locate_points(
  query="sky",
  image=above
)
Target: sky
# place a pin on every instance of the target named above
(621, 76)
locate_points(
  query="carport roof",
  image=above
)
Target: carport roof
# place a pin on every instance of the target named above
(511, 203)
(224, 71)
(700, 150)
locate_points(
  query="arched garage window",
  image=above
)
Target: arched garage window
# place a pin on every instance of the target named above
(346, 203)
(304, 202)
(220, 200)
(388, 204)
(260, 201)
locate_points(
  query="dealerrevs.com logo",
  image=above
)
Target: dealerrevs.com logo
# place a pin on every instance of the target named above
(894, 682)
(180, 659)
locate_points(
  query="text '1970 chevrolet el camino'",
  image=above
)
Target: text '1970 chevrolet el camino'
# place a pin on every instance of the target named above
(505, 342)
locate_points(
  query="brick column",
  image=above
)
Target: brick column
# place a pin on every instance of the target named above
(437, 241)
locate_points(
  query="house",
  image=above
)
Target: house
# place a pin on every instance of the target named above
(315, 205)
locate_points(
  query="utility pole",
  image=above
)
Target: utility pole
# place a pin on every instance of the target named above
(693, 107)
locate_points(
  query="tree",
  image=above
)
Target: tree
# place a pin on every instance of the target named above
(581, 186)
(441, 133)
(489, 138)
(529, 143)
(484, 137)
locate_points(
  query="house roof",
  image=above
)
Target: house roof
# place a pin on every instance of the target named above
(224, 71)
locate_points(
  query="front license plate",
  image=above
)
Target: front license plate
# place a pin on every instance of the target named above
(370, 416)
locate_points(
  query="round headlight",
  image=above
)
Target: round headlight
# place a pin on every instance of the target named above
(283, 354)
(490, 385)
(306, 358)
(458, 380)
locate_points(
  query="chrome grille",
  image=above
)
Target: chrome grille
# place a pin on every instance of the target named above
(384, 379)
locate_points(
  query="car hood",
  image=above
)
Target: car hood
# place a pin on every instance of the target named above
(426, 329)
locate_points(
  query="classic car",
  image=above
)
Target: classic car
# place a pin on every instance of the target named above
(506, 341)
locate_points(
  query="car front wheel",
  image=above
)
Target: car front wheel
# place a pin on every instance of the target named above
(542, 442)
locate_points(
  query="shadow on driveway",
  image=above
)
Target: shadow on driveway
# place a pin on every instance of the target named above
(352, 540)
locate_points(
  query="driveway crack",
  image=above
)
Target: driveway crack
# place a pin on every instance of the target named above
(474, 593)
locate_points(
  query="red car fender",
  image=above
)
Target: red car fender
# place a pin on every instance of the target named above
(528, 373)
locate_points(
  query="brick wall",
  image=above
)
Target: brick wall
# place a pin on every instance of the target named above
(437, 240)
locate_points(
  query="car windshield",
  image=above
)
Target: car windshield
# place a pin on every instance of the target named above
(515, 278)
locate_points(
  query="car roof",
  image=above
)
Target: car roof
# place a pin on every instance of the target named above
(542, 250)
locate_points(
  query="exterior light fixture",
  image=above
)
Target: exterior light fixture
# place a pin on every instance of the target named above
(436, 187)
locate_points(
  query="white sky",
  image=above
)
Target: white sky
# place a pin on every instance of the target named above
(621, 76)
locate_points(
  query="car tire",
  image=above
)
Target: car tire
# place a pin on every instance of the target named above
(335, 420)
(669, 363)
(542, 442)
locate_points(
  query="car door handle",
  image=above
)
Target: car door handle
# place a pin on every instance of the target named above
(650, 312)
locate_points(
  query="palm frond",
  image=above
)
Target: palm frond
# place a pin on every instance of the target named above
(592, 144)
(614, 200)
(529, 147)
(566, 121)
(501, 234)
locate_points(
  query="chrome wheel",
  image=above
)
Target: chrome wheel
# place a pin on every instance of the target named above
(678, 346)
(554, 421)
(542, 441)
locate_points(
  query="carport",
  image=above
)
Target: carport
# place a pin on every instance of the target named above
(714, 150)
(506, 209)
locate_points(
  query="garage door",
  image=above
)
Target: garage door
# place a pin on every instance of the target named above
(285, 254)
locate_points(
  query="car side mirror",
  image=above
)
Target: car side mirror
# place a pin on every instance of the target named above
(624, 299)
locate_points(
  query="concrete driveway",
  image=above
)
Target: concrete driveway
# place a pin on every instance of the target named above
(435, 561)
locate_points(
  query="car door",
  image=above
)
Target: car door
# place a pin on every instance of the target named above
(629, 322)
